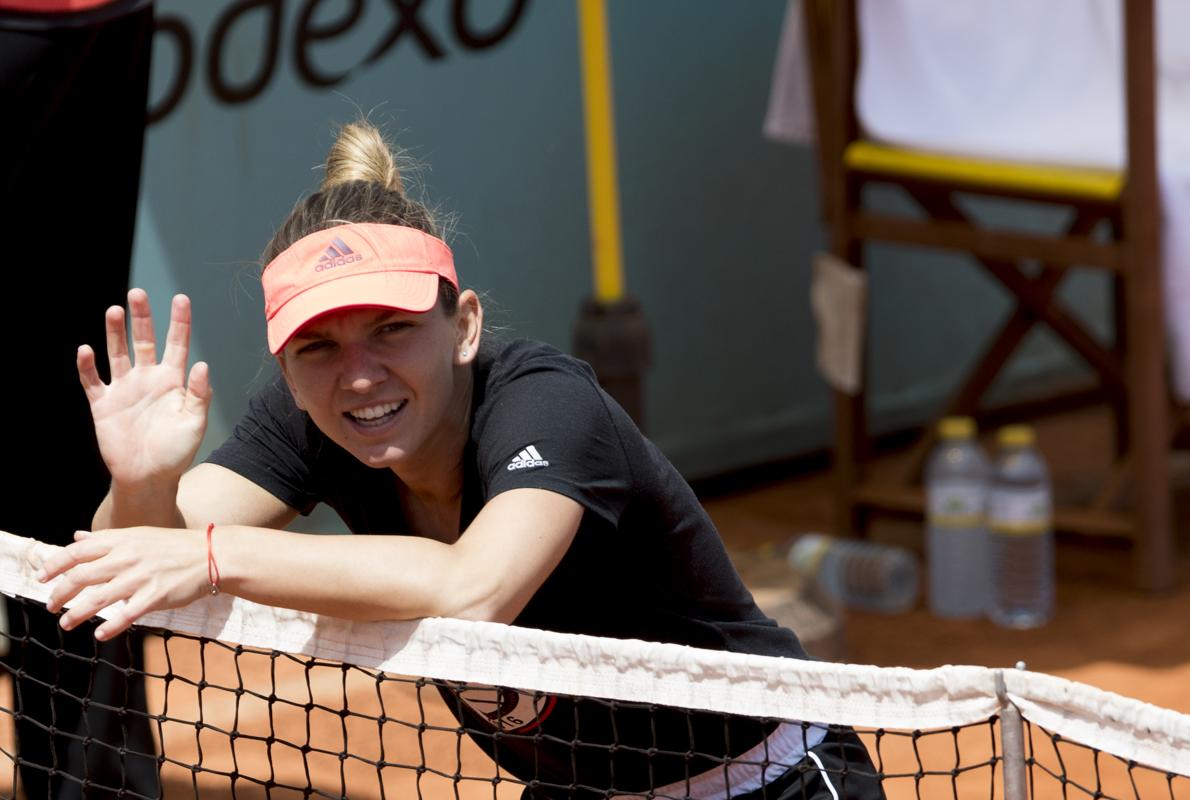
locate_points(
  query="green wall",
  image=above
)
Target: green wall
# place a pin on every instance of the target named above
(719, 225)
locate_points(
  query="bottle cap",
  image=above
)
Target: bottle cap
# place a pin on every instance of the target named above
(956, 428)
(807, 552)
(1016, 436)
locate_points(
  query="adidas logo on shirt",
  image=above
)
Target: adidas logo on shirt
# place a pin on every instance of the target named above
(526, 459)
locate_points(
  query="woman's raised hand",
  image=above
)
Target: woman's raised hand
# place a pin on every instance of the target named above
(151, 418)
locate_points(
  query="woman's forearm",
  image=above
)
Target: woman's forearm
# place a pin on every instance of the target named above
(489, 573)
(353, 577)
(127, 507)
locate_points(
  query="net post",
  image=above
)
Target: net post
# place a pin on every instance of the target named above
(1012, 742)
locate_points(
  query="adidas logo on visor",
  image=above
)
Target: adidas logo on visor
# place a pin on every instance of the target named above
(337, 255)
(526, 459)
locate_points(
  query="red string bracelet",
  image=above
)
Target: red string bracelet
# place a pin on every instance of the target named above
(212, 567)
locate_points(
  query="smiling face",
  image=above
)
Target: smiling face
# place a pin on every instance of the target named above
(391, 387)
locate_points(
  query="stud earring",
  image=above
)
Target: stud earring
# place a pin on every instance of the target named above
(464, 353)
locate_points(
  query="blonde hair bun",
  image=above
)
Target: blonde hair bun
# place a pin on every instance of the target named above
(362, 184)
(360, 153)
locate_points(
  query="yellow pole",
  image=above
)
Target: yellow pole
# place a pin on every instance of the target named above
(602, 192)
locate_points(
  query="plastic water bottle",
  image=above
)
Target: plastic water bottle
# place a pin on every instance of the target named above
(1020, 512)
(863, 575)
(956, 537)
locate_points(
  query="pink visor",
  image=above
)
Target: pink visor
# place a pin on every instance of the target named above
(361, 265)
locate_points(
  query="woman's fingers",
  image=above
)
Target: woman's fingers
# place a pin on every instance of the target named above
(76, 579)
(177, 340)
(138, 604)
(144, 343)
(89, 374)
(117, 624)
(117, 342)
(93, 599)
(72, 555)
(198, 389)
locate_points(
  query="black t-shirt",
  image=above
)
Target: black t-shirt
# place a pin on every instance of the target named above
(646, 562)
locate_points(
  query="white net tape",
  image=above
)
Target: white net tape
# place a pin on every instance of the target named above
(502, 655)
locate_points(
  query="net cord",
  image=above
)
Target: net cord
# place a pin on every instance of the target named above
(668, 674)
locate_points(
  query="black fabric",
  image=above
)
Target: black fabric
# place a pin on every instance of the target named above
(12, 19)
(839, 769)
(841, 760)
(646, 563)
(73, 91)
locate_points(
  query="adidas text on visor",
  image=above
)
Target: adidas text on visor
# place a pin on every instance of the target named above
(361, 265)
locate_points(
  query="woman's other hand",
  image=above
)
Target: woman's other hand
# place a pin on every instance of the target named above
(151, 417)
(149, 568)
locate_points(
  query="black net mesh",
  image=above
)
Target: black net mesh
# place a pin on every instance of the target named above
(1064, 768)
(168, 714)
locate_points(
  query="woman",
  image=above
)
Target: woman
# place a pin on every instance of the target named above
(501, 482)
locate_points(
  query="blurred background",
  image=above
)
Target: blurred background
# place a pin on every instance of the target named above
(719, 223)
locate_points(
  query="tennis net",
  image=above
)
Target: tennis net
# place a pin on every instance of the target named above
(230, 698)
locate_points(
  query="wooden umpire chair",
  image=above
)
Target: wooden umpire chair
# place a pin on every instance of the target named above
(1130, 370)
